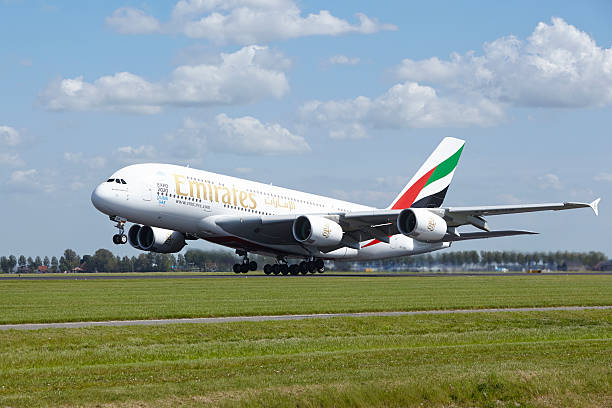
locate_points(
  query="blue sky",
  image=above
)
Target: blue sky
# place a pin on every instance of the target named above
(338, 98)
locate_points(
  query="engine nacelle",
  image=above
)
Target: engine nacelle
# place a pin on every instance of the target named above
(133, 236)
(421, 224)
(317, 231)
(160, 240)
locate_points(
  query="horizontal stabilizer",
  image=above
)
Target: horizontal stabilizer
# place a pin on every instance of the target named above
(484, 234)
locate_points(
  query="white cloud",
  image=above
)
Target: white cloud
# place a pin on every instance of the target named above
(77, 185)
(9, 136)
(245, 135)
(130, 153)
(343, 60)
(550, 181)
(128, 20)
(28, 181)
(405, 105)
(557, 66)
(243, 76)
(242, 21)
(21, 176)
(509, 199)
(248, 135)
(11, 159)
(95, 162)
(603, 176)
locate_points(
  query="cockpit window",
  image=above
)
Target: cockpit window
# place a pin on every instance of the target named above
(117, 181)
(123, 181)
(110, 180)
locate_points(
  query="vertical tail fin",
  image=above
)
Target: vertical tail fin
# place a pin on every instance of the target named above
(429, 185)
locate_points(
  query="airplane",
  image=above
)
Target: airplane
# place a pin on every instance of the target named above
(170, 205)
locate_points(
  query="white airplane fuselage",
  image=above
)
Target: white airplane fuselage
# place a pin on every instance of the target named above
(189, 201)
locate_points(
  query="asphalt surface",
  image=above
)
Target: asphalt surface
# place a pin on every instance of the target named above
(206, 320)
(261, 275)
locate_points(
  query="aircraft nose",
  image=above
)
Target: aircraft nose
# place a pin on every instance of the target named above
(100, 198)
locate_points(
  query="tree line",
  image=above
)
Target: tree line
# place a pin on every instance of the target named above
(104, 260)
(491, 259)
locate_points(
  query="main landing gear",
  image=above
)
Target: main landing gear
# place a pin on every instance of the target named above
(304, 267)
(246, 265)
(121, 238)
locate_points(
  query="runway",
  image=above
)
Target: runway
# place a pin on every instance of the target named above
(208, 320)
(162, 275)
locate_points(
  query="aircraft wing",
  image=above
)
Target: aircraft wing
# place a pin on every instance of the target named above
(514, 209)
(381, 224)
(456, 216)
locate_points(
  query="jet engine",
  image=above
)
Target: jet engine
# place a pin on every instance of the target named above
(157, 239)
(133, 236)
(421, 224)
(317, 231)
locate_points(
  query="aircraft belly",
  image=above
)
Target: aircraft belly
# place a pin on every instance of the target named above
(239, 243)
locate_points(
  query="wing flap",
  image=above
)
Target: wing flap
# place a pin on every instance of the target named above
(484, 234)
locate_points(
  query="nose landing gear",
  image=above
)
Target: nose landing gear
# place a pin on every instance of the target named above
(121, 238)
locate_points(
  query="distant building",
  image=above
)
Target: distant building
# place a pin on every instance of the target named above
(604, 266)
(572, 266)
(42, 269)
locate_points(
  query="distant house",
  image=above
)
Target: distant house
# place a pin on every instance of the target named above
(42, 269)
(604, 266)
(78, 269)
(572, 266)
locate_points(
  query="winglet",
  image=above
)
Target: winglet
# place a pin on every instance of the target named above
(594, 205)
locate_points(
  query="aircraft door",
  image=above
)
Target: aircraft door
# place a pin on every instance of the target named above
(148, 192)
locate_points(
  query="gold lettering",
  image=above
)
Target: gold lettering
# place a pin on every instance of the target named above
(178, 185)
(234, 194)
(216, 194)
(252, 197)
(198, 186)
(210, 188)
(227, 196)
(243, 196)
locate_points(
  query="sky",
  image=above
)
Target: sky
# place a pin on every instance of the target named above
(344, 99)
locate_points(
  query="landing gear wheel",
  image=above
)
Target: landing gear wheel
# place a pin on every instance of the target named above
(303, 268)
(319, 264)
(119, 239)
(253, 266)
(321, 270)
(236, 268)
(267, 269)
(276, 269)
(311, 267)
(284, 269)
(294, 270)
(244, 268)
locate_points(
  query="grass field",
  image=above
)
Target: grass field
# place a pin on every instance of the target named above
(508, 359)
(53, 301)
(538, 359)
